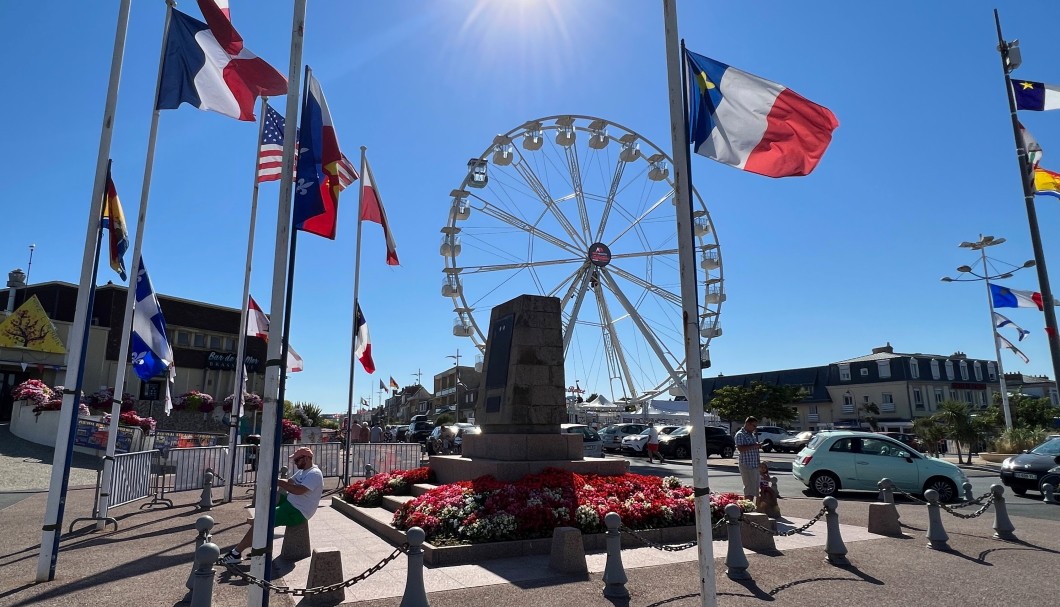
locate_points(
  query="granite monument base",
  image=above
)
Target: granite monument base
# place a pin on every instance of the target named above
(452, 468)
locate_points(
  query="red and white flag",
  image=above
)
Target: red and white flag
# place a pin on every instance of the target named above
(258, 326)
(372, 210)
(362, 343)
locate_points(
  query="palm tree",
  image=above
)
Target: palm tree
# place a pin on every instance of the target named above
(930, 431)
(957, 419)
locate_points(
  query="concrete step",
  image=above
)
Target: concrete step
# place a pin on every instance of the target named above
(392, 502)
(421, 488)
(376, 520)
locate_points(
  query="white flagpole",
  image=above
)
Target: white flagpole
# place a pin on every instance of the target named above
(240, 375)
(130, 294)
(690, 303)
(268, 454)
(353, 333)
(63, 453)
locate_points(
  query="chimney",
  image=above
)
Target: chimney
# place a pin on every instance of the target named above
(959, 355)
(884, 349)
(15, 279)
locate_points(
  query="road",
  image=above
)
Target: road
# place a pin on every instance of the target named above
(725, 477)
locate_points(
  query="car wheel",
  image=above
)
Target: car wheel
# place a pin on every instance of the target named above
(1019, 490)
(767, 446)
(726, 452)
(824, 484)
(946, 488)
(1049, 479)
(681, 452)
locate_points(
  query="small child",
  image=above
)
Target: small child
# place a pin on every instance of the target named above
(766, 502)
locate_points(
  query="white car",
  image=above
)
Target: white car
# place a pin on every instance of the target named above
(592, 446)
(635, 443)
(770, 436)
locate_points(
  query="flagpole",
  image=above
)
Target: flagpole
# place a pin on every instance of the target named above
(1027, 177)
(353, 333)
(997, 348)
(63, 454)
(241, 350)
(272, 409)
(689, 301)
(130, 293)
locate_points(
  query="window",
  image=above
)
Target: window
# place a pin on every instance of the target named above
(215, 342)
(938, 396)
(954, 395)
(888, 403)
(848, 403)
(935, 369)
(230, 344)
(914, 368)
(968, 396)
(918, 399)
(844, 372)
(978, 371)
(864, 372)
(949, 370)
(991, 371)
(842, 444)
(183, 339)
(964, 370)
(884, 368)
(200, 340)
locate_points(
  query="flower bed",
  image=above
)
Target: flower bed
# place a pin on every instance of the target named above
(488, 510)
(369, 492)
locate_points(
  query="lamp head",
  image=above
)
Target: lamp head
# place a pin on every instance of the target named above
(964, 269)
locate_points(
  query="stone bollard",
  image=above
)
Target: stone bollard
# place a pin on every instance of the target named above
(1048, 493)
(325, 569)
(568, 551)
(415, 594)
(369, 471)
(886, 487)
(206, 501)
(203, 525)
(202, 588)
(1003, 527)
(614, 575)
(883, 519)
(756, 538)
(834, 548)
(735, 561)
(936, 534)
(968, 496)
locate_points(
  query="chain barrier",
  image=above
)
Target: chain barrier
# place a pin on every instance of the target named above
(977, 501)
(265, 584)
(663, 547)
(789, 532)
(978, 512)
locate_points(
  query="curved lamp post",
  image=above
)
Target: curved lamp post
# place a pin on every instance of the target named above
(986, 277)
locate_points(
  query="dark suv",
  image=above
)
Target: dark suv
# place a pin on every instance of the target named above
(678, 444)
(419, 429)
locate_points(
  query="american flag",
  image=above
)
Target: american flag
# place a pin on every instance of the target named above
(270, 157)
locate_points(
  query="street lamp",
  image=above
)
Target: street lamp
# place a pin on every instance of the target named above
(456, 381)
(986, 277)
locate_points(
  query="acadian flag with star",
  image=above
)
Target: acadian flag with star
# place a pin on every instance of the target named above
(1036, 96)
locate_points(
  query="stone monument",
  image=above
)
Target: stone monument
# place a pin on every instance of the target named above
(521, 401)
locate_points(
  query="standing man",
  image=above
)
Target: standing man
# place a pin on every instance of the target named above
(653, 444)
(747, 444)
(304, 490)
(376, 434)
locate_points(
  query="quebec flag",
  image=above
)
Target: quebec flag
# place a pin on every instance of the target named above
(151, 352)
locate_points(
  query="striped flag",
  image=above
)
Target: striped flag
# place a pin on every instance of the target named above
(270, 157)
(114, 220)
(394, 384)
(372, 210)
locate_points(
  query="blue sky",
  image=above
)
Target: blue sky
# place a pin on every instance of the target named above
(817, 269)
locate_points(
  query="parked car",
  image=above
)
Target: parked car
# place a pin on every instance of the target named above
(678, 444)
(612, 435)
(418, 431)
(769, 436)
(794, 444)
(635, 443)
(909, 440)
(1032, 469)
(449, 439)
(842, 460)
(592, 444)
(400, 432)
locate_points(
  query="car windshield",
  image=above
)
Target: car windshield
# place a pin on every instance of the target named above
(803, 435)
(1049, 447)
(644, 432)
(815, 441)
(680, 431)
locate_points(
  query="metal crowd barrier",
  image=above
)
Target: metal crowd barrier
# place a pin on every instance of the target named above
(130, 480)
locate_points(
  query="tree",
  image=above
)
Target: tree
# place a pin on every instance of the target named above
(311, 412)
(957, 419)
(930, 431)
(871, 411)
(765, 401)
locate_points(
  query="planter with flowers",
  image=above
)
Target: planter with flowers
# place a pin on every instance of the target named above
(104, 399)
(251, 402)
(291, 431)
(142, 428)
(195, 401)
(486, 510)
(33, 392)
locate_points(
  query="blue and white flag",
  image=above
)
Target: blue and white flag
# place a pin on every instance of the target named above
(151, 352)
(1004, 343)
(1001, 321)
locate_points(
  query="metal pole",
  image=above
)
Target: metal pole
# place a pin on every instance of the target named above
(265, 483)
(78, 336)
(690, 303)
(1027, 177)
(993, 334)
(353, 330)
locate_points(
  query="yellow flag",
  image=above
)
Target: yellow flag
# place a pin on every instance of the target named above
(1046, 182)
(29, 327)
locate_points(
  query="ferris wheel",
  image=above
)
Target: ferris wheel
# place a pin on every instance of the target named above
(583, 209)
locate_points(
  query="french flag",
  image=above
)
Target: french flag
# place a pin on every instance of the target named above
(1004, 297)
(741, 120)
(208, 67)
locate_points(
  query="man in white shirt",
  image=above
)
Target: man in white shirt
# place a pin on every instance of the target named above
(653, 444)
(304, 490)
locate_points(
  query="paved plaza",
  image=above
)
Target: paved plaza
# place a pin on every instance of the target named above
(147, 560)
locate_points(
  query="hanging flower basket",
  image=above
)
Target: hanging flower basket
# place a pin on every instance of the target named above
(251, 402)
(194, 401)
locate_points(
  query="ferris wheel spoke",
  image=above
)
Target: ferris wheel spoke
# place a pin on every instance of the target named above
(546, 199)
(503, 267)
(579, 298)
(649, 335)
(647, 286)
(612, 344)
(616, 180)
(574, 167)
(636, 222)
(572, 279)
(501, 215)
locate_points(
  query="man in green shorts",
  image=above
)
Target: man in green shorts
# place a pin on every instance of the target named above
(304, 489)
